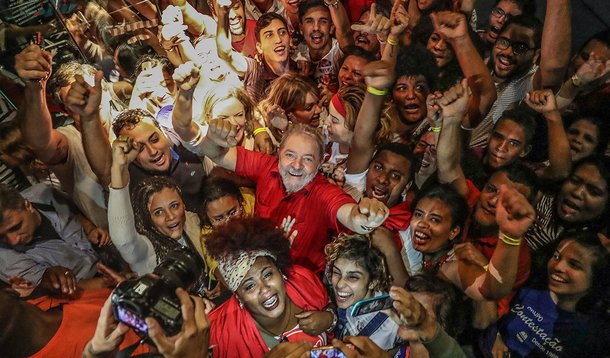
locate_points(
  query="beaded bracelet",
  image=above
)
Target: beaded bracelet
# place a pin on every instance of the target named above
(375, 91)
(509, 240)
(259, 130)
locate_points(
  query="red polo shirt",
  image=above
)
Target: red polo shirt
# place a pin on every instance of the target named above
(314, 207)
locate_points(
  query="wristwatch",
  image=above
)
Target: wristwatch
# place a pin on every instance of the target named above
(577, 81)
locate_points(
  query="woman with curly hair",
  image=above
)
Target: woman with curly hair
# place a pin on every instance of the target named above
(272, 300)
(291, 99)
(358, 271)
(158, 222)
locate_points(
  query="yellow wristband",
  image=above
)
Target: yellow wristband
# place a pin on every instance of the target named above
(509, 240)
(259, 130)
(435, 129)
(392, 42)
(376, 92)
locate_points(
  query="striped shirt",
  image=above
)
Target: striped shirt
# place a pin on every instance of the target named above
(509, 95)
(546, 227)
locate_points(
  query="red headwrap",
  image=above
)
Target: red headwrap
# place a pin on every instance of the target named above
(338, 105)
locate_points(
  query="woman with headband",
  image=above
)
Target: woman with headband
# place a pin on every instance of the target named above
(272, 298)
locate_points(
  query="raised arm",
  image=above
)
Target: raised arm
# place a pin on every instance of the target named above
(135, 249)
(363, 217)
(234, 59)
(588, 77)
(399, 21)
(85, 101)
(543, 102)
(453, 27)
(514, 215)
(197, 22)
(219, 143)
(556, 43)
(34, 67)
(339, 17)
(453, 105)
(379, 77)
(186, 77)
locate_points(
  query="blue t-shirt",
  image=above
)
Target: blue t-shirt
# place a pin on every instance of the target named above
(536, 327)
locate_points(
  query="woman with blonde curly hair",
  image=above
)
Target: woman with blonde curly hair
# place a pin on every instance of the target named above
(291, 98)
(358, 271)
(233, 104)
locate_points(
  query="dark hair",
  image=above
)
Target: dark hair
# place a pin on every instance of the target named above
(529, 21)
(128, 56)
(12, 143)
(10, 199)
(600, 280)
(416, 60)
(215, 188)
(597, 121)
(358, 52)
(155, 60)
(526, 6)
(400, 149)
(64, 76)
(305, 6)
(600, 162)
(603, 37)
(264, 21)
(524, 117)
(358, 248)
(130, 118)
(521, 174)
(456, 202)
(144, 224)
(447, 308)
(250, 234)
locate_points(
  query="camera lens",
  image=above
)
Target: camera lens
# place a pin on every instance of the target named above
(180, 268)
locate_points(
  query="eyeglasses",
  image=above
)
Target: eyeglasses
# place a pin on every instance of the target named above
(498, 12)
(519, 48)
(221, 219)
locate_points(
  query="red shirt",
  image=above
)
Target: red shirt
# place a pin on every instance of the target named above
(487, 245)
(314, 207)
(247, 46)
(78, 325)
(399, 220)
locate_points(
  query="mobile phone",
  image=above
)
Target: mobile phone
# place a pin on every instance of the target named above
(372, 305)
(327, 352)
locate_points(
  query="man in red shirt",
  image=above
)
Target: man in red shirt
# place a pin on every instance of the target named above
(290, 185)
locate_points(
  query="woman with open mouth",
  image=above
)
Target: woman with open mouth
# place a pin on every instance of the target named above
(557, 318)
(273, 301)
(357, 271)
(154, 222)
(291, 99)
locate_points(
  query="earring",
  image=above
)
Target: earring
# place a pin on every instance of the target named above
(241, 304)
(284, 277)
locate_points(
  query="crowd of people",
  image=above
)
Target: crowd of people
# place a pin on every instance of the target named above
(313, 154)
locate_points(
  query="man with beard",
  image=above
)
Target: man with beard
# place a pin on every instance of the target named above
(290, 185)
(272, 45)
(504, 10)
(527, 56)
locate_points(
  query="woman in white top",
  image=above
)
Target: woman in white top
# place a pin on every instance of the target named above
(158, 222)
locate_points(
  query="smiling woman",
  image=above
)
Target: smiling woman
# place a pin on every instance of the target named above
(270, 293)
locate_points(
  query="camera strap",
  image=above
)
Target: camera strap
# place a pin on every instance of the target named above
(126, 352)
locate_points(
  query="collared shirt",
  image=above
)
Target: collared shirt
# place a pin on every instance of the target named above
(60, 241)
(186, 169)
(253, 13)
(314, 207)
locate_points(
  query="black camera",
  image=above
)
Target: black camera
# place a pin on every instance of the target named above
(155, 296)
